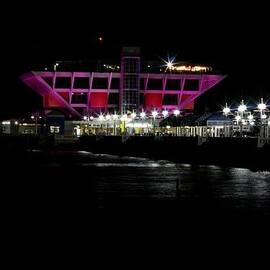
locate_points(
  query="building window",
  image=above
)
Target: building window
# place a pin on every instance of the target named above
(173, 84)
(81, 83)
(63, 82)
(191, 85)
(115, 83)
(155, 84)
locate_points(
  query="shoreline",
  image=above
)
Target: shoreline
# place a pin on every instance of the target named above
(229, 152)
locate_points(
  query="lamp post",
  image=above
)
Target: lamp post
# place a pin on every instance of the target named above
(55, 66)
(115, 117)
(238, 118)
(101, 119)
(154, 114)
(124, 119)
(262, 107)
(108, 117)
(133, 116)
(226, 110)
(143, 115)
(176, 112)
(35, 117)
(241, 109)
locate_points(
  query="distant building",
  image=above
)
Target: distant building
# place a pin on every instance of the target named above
(122, 88)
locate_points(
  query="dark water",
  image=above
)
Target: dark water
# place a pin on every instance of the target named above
(110, 182)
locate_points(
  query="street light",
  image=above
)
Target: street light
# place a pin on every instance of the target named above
(101, 119)
(154, 114)
(108, 117)
(261, 106)
(123, 119)
(114, 117)
(142, 114)
(237, 118)
(226, 110)
(165, 113)
(176, 112)
(250, 117)
(55, 65)
(242, 107)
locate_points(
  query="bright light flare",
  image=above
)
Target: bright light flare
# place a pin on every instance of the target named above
(133, 115)
(101, 117)
(142, 114)
(154, 113)
(169, 63)
(176, 112)
(250, 117)
(262, 106)
(226, 110)
(242, 108)
(165, 113)
(237, 118)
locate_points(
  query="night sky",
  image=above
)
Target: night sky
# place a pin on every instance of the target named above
(235, 41)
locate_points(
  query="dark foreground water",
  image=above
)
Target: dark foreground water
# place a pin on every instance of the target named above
(110, 182)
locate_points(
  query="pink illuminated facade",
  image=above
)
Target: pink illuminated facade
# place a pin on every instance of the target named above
(80, 93)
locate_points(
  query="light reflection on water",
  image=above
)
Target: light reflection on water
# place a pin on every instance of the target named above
(112, 179)
(228, 187)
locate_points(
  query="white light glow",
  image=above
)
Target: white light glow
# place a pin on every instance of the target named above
(32, 117)
(237, 118)
(91, 118)
(101, 117)
(85, 118)
(133, 115)
(154, 113)
(262, 106)
(165, 113)
(16, 123)
(169, 65)
(142, 114)
(124, 117)
(242, 108)
(263, 116)
(108, 117)
(176, 112)
(226, 110)
(250, 117)
(115, 116)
